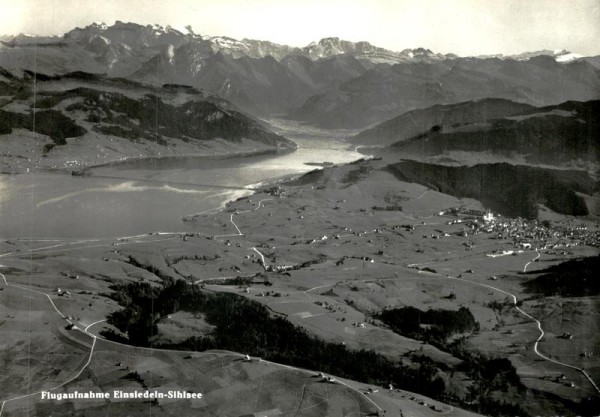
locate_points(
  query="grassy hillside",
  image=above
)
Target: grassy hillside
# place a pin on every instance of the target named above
(115, 118)
(512, 190)
(575, 278)
(551, 135)
(417, 121)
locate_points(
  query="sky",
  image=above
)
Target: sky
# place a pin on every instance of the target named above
(464, 27)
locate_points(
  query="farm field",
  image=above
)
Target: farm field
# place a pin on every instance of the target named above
(319, 252)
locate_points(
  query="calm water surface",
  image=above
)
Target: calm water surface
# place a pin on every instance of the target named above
(151, 195)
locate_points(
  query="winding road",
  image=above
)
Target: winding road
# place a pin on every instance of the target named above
(87, 363)
(86, 330)
(514, 299)
(533, 260)
(239, 232)
(168, 236)
(536, 321)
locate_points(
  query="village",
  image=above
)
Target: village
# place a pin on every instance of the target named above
(326, 260)
(525, 234)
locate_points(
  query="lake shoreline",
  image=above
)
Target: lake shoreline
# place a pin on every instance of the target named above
(208, 157)
(24, 152)
(165, 188)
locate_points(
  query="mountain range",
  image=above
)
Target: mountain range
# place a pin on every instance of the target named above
(329, 83)
(520, 134)
(387, 91)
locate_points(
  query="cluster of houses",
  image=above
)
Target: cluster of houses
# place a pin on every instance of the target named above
(532, 234)
(525, 234)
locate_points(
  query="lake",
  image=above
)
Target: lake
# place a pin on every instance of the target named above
(152, 195)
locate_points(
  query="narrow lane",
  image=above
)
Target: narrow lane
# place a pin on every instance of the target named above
(538, 323)
(89, 360)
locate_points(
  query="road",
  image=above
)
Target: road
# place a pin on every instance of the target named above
(514, 298)
(94, 337)
(77, 375)
(86, 330)
(144, 239)
(304, 370)
(536, 321)
(239, 232)
(533, 260)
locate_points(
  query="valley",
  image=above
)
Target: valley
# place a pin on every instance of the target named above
(270, 230)
(317, 252)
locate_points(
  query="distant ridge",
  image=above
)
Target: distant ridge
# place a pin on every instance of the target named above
(417, 121)
(553, 135)
(331, 83)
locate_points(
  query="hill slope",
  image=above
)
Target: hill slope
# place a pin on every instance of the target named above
(93, 119)
(418, 121)
(512, 190)
(554, 135)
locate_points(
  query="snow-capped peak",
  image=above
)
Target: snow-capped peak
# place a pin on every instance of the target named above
(100, 25)
(171, 54)
(566, 56)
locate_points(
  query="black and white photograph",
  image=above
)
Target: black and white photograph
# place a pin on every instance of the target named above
(299, 208)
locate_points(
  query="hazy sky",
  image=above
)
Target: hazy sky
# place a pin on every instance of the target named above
(464, 27)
